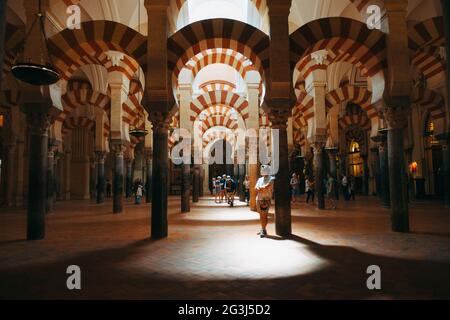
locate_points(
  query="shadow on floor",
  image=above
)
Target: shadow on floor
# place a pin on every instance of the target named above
(106, 274)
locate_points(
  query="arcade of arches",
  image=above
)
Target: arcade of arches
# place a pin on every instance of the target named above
(372, 104)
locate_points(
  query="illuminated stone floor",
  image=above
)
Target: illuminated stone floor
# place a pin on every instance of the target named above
(214, 253)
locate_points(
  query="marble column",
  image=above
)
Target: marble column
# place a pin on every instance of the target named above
(129, 178)
(283, 223)
(446, 137)
(50, 177)
(445, 141)
(10, 173)
(242, 174)
(318, 148)
(185, 188)
(159, 226)
(333, 170)
(93, 179)
(365, 181)
(395, 118)
(37, 180)
(148, 182)
(2, 33)
(384, 173)
(195, 183)
(101, 180)
(118, 177)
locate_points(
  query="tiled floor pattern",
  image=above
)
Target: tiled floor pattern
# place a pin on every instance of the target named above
(214, 253)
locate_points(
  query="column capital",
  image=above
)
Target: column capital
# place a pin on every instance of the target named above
(39, 123)
(101, 155)
(161, 120)
(396, 117)
(279, 111)
(318, 146)
(118, 148)
(156, 4)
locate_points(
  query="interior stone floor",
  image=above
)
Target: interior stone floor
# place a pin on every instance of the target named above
(214, 253)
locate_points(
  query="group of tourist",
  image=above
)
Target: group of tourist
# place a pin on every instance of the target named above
(224, 188)
(330, 185)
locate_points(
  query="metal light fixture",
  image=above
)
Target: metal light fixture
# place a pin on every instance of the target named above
(137, 132)
(37, 74)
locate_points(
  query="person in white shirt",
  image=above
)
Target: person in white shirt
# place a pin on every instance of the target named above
(247, 189)
(264, 190)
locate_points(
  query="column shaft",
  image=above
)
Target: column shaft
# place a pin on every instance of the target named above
(318, 175)
(37, 178)
(159, 227)
(185, 188)
(283, 223)
(50, 181)
(118, 180)
(101, 182)
(397, 181)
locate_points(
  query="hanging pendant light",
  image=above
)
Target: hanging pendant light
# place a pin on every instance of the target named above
(37, 74)
(137, 132)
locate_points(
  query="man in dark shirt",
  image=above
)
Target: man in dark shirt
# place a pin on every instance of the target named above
(230, 188)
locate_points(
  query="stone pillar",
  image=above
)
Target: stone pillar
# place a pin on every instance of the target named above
(93, 178)
(384, 172)
(159, 226)
(118, 150)
(2, 34)
(365, 182)
(19, 192)
(318, 148)
(446, 137)
(37, 181)
(101, 180)
(129, 178)
(10, 173)
(395, 118)
(195, 183)
(242, 174)
(444, 141)
(333, 170)
(206, 180)
(148, 172)
(50, 177)
(283, 224)
(185, 188)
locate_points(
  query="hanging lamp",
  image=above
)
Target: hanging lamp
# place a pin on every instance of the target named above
(37, 74)
(137, 132)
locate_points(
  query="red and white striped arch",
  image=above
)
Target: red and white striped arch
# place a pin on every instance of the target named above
(81, 97)
(357, 95)
(217, 85)
(71, 123)
(356, 117)
(225, 98)
(72, 48)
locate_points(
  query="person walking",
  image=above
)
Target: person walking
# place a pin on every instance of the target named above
(217, 190)
(223, 181)
(264, 191)
(309, 189)
(330, 191)
(344, 183)
(138, 193)
(351, 188)
(230, 189)
(108, 189)
(295, 188)
(247, 189)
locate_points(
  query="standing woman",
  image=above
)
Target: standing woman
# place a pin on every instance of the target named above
(295, 188)
(247, 189)
(309, 189)
(217, 190)
(264, 191)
